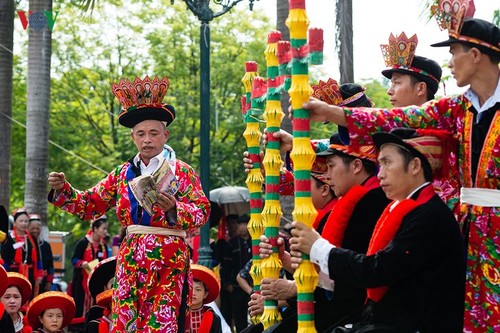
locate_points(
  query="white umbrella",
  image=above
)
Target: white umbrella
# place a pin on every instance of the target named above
(230, 194)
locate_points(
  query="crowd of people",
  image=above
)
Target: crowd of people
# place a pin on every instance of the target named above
(405, 284)
(405, 240)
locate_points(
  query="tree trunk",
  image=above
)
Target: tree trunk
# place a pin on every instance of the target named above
(6, 63)
(282, 14)
(38, 113)
(344, 43)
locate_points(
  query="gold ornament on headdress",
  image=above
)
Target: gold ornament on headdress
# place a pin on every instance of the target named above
(328, 92)
(400, 50)
(141, 93)
(450, 14)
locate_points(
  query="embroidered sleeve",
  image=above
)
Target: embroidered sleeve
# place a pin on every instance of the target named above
(91, 203)
(193, 207)
(362, 122)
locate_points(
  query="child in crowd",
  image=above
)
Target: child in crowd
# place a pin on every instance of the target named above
(101, 279)
(206, 288)
(50, 312)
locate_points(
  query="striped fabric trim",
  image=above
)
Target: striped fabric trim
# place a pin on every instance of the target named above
(367, 152)
(430, 147)
(474, 41)
(415, 70)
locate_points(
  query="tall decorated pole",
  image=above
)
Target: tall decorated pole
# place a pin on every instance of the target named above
(302, 156)
(284, 54)
(271, 214)
(255, 93)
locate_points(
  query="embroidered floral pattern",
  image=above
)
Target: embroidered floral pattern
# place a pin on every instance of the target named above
(150, 268)
(482, 307)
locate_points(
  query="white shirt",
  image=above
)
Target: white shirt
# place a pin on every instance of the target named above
(154, 162)
(490, 102)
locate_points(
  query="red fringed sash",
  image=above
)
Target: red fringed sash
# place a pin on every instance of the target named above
(323, 211)
(341, 214)
(387, 226)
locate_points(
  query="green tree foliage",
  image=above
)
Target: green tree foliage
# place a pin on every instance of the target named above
(376, 90)
(134, 38)
(146, 38)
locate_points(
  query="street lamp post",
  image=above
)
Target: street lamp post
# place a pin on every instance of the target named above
(205, 14)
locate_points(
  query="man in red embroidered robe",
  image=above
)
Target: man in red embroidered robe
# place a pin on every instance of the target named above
(153, 280)
(475, 118)
(414, 267)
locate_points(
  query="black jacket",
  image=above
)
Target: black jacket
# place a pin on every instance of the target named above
(424, 268)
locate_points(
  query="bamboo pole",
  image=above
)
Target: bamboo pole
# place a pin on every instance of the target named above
(271, 214)
(302, 156)
(252, 109)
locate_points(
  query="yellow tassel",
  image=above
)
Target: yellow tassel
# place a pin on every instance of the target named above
(272, 162)
(271, 266)
(247, 80)
(300, 91)
(306, 277)
(298, 23)
(252, 134)
(270, 54)
(254, 181)
(273, 115)
(304, 211)
(271, 213)
(270, 316)
(306, 327)
(302, 154)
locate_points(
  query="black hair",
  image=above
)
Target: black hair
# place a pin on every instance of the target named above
(17, 287)
(369, 166)
(318, 183)
(494, 57)
(203, 283)
(414, 81)
(43, 311)
(97, 223)
(17, 214)
(408, 156)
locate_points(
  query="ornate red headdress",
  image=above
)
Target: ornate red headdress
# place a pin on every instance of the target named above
(346, 95)
(142, 100)
(400, 50)
(328, 92)
(450, 14)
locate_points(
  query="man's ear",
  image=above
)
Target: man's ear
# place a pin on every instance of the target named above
(415, 165)
(325, 190)
(167, 135)
(422, 89)
(357, 165)
(477, 55)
